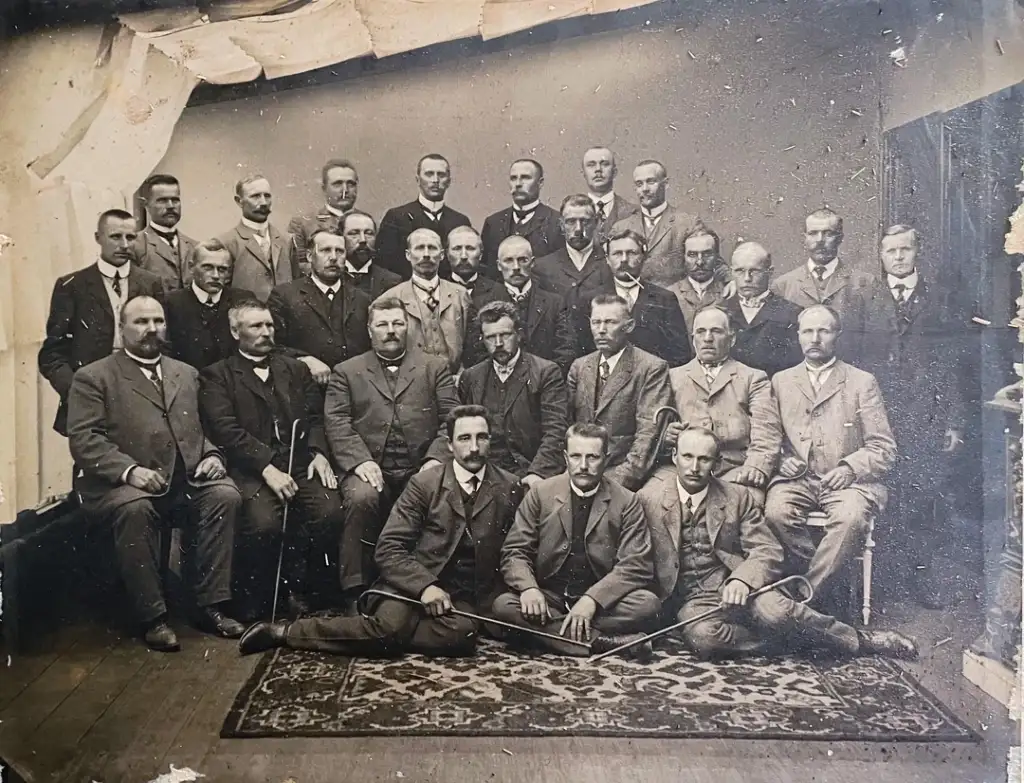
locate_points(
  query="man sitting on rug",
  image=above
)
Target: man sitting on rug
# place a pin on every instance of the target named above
(712, 549)
(441, 545)
(578, 557)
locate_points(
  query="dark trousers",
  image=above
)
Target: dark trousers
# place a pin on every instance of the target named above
(314, 526)
(209, 515)
(364, 512)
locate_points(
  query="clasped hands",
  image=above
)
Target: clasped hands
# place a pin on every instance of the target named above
(840, 477)
(577, 623)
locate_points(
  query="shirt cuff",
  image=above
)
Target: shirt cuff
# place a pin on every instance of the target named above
(124, 476)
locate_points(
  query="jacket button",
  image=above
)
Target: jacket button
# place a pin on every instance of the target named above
(330, 340)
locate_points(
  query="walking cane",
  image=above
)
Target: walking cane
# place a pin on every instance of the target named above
(795, 579)
(284, 523)
(479, 618)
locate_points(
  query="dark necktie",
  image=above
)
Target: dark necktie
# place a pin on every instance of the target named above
(152, 373)
(474, 484)
(431, 293)
(603, 371)
(391, 365)
(819, 273)
(601, 214)
(517, 296)
(900, 293)
(262, 364)
(522, 215)
(686, 512)
(115, 285)
(330, 295)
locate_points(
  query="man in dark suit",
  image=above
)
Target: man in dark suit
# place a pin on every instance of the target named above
(133, 427)
(85, 308)
(340, 184)
(317, 319)
(441, 545)
(524, 395)
(578, 558)
(764, 322)
(621, 388)
(538, 223)
(712, 549)
(703, 284)
(465, 251)
(248, 403)
(160, 248)
(361, 268)
(599, 171)
(658, 324)
(385, 412)
(433, 177)
(198, 332)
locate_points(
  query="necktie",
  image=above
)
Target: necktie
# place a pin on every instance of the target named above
(709, 376)
(391, 365)
(900, 293)
(686, 512)
(473, 484)
(815, 380)
(819, 273)
(152, 374)
(170, 237)
(603, 371)
(330, 294)
(431, 215)
(263, 241)
(262, 364)
(115, 285)
(431, 297)
(522, 215)
(601, 214)
(517, 296)
(209, 303)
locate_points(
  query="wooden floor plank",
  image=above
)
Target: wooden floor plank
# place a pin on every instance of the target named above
(19, 670)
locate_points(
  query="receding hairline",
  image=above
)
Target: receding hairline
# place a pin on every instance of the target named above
(430, 231)
(512, 240)
(749, 248)
(820, 308)
(462, 229)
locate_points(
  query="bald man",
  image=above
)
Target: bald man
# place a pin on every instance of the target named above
(599, 171)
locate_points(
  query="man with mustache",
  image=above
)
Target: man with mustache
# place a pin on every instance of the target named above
(599, 171)
(441, 545)
(198, 331)
(317, 319)
(340, 184)
(84, 323)
(465, 252)
(361, 268)
(702, 261)
(260, 254)
(248, 403)
(134, 429)
(160, 247)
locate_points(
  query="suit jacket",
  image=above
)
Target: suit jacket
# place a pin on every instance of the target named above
(635, 390)
(769, 342)
(454, 312)
(618, 542)
(664, 264)
(621, 209)
(546, 333)
(80, 327)
(482, 291)
(155, 255)
(543, 230)
(238, 412)
(845, 422)
(360, 409)
(429, 519)
(308, 324)
(738, 407)
(395, 227)
(742, 540)
(301, 228)
(535, 416)
(194, 341)
(117, 419)
(690, 302)
(251, 270)
(375, 282)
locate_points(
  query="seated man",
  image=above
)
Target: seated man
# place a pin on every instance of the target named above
(712, 549)
(578, 557)
(836, 448)
(441, 545)
(133, 428)
(524, 395)
(384, 416)
(248, 403)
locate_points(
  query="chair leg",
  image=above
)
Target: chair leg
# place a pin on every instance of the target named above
(866, 566)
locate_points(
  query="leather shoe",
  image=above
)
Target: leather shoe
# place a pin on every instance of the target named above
(641, 653)
(262, 636)
(890, 644)
(160, 637)
(215, 622)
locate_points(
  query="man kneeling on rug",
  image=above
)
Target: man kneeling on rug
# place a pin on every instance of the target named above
(578, 557)
(441, 546)
(712, 548)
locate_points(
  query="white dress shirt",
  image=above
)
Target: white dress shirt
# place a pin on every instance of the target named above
(611, 361)
(463, 476)
(109, 272)
(580, 493)
(465, 282)
(751, 307)
(830, 268)
(517, 293)
(334, 210)
(504, 371)
(261, 372)
(910, 281)
(424, 288)
(432, 207)
(205, 297)
(324, 288)
(628, 292)
(579, 258)
(819, 375)
(262, 232)
(700, 288)
(526, 210)
(711, 371)
(353, 271)
(695, 499)
(607, 199)
(653, 216)
(170, 236)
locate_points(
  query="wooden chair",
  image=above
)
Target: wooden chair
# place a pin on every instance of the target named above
(817, 520)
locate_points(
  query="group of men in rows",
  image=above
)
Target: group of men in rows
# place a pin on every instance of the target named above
(392, 399)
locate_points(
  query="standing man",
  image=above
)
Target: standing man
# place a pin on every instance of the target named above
(340, 184)
(702, 261)
(160, 248)
(836, 449)
(439, 311)
(538, 223)
(320, 321)
(621, 388)
(441, 545)
(765, 323)
(433, 178)
(599, 170)
(133, 428)
(198, 331)
(385, 412)
(85, 308)
(524, 396)
(465, 251)
(661, 225)
(361, 268)
(578, 558)
(248, 403)
(260, 254)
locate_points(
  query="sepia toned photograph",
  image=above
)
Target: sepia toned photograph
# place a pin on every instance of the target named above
(511, 390)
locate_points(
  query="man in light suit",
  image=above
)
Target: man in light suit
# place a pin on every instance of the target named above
(133, 428)
(340, 184)
(160, 248)
(538, 223)
(260, 254)
(384, 415)
(703, 284)
(621, 388)
(836, 449)
(712, 549)
(661, 225)
(439, 311)
(599, 171)
(362, 271)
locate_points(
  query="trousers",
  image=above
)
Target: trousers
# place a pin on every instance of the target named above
(364, 512)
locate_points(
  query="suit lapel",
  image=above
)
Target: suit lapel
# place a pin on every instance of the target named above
(375, 375)
(714, 512)
(563, 502)
(451, 484)
(661, 228)
(406, 375)
(917, 302)
(807, 284)
(445, 295)
(673, 517)
(94, 286)
(138, 381)
(725, 375)
(696, 374)
(412, 302)
(171, 382)
(597, 510)
(620, 377)
(249, 379)
(803, 382)
(515, 384)
(249, 237)
(839, 280)
(316, 301)
(164, 249)
(485, 494)
(834, 383)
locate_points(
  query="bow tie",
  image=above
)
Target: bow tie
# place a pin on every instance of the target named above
(262, 364)
(170, 236)
(522, 215)
(391, 364)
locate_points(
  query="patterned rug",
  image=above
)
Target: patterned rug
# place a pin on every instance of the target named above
(500, 693)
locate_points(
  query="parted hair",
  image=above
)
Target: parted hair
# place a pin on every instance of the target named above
(691, 429)
(577, 200)
(210, 246)
(385, 303)
(900, 228)
(819, 306)
(157, 179)
(492, 312)
(465, 412)
(353, 213)
(588, 430)
(626, 233)
(336, 163)
(247, 179)
(238, 309)
(700, 229)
